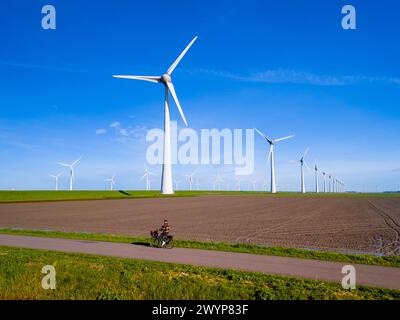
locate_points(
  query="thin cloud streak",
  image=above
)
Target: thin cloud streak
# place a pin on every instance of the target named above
(298, 77)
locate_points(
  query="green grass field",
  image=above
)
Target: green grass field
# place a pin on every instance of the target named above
(30, 196)
(81, 276)
(392, 261)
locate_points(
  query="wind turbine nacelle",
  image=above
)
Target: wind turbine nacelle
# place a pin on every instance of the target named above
(165, 78)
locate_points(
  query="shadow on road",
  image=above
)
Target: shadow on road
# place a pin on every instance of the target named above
(141, 243)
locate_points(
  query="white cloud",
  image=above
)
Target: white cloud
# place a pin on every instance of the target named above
(115, 124)
(101, 131)
(300, 77)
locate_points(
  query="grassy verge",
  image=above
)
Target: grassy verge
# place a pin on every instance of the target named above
(392, 261)
(32, 196)
(81, 276)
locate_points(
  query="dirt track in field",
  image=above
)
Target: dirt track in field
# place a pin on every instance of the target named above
(340, 223)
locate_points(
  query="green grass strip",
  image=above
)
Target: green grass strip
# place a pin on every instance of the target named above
(83, 276)
(34, 196)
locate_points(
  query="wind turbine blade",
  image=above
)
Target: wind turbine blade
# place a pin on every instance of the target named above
(305, 152)
(153, 79)
(144, 176)
(308, 168)
(172, 90)
(281, 139)
(263, 135)
(76, 161)
(63, 164)
(173, 66)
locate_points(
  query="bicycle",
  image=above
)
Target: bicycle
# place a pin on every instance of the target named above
(159, 240)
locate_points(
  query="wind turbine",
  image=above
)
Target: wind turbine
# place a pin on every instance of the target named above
(324, 175)
(56, 176)
(271, 156)
(329, 182)
(316, 178)
(147, 175)
(217, 182)
(254, 183)
(112, 182)
(302, 164)
(265, 184)
(71, 168)
(165, 79)
(237, 184)
(190, 179)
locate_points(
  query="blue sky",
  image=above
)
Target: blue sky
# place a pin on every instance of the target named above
(282, 66)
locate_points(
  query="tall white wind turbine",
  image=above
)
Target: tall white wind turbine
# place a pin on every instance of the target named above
(271, 156)
(165, 79)
(56, 176)
(112, 182)
(71, 170)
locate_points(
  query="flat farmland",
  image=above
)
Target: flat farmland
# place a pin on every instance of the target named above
(334, 223)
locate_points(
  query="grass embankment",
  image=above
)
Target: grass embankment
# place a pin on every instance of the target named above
(81, 276)
(32, 196)
(392, 261)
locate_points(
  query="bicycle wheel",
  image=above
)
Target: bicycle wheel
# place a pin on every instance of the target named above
(169, 244)
(155, 242)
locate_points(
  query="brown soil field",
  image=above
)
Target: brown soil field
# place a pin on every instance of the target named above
(334, 223)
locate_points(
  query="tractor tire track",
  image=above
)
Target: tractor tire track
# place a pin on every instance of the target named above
(388, 219)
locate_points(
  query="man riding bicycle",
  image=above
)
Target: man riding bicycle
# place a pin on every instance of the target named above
(165, 229)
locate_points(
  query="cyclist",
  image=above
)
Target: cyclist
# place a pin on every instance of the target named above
(165, 229)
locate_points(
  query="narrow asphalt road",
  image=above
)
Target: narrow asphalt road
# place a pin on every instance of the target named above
(377, 276)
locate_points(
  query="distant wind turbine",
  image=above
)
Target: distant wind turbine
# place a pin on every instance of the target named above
(237, 184)
(190, 179)
(71, 168)
(147, 175)
(112, 182)
(324, 176)
(165, 79)
(316, 178)
(56, 176)
(302, 164)
(271, 156)
(217, 182)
